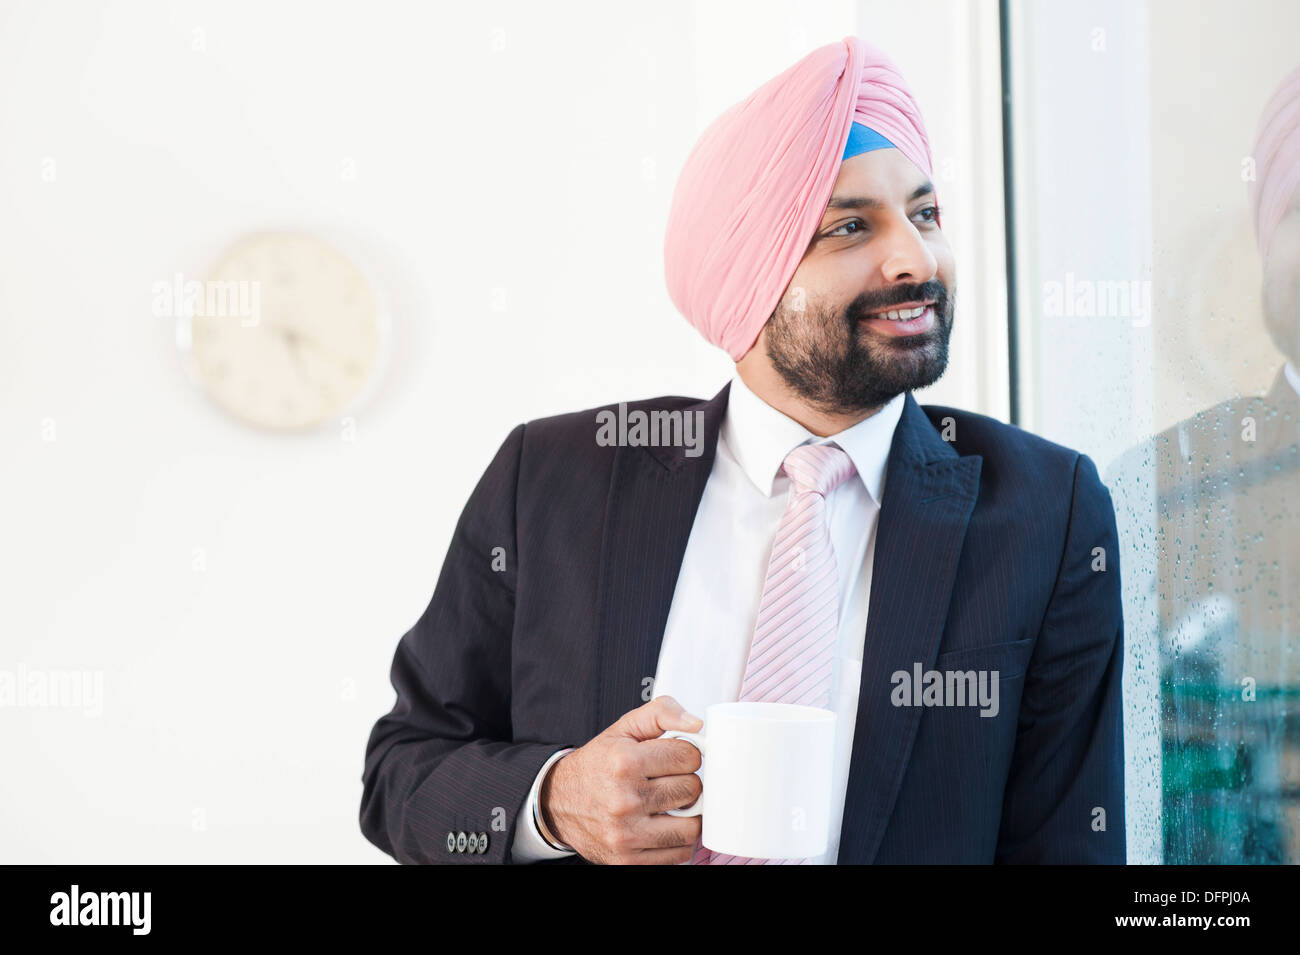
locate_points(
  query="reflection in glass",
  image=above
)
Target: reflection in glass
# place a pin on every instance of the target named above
(1227, 580)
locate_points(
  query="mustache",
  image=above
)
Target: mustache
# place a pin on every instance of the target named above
(879, 301)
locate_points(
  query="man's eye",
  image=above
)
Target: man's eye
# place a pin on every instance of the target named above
(840, 230)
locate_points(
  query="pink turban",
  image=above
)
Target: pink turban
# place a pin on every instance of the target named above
(755, 187)
(1277, 159)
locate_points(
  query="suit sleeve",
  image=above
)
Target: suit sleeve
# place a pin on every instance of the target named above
(1064, 799)
(445, 760)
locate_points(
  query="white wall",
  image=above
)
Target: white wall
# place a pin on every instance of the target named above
(240, 594)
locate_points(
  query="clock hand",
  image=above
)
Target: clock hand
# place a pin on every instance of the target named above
(346, 365)
(291, 341)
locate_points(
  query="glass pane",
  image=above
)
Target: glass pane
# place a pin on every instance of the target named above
(1157, 160)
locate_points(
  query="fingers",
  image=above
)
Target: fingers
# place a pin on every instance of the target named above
(663, 856)
(665, 840)
(652, 720)
(670, 792)
(634, 778)
(667, 757)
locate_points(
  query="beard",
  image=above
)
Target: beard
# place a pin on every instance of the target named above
(838, 365)
(1281, 288)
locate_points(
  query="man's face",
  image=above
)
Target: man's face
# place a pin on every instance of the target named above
(1282, 283)
(878, 247)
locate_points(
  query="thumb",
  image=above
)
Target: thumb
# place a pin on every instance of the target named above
(654, 718)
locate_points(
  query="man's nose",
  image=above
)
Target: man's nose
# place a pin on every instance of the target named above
(907, 255)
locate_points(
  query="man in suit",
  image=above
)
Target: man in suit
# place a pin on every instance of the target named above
(619, 569)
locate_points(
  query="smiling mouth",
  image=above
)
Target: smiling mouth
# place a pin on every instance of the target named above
(914, 321)
(901, 313)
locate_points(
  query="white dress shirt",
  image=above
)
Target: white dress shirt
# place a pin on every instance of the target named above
(715, 604)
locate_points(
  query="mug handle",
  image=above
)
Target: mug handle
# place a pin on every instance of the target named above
(696, 740)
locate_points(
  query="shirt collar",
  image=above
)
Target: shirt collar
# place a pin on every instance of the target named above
(760, 437)
(1293, 377)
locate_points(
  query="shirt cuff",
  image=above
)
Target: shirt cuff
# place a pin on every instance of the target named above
(529, 846)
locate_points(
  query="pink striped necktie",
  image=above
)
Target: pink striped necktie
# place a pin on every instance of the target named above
(793, 650)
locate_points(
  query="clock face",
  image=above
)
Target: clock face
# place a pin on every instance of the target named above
(286, 332)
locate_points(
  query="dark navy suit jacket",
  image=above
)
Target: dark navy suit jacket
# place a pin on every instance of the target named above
(995, 550)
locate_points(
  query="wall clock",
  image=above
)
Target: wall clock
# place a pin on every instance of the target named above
(285, 332)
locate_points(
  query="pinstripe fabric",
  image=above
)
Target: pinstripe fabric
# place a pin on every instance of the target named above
(793, 652)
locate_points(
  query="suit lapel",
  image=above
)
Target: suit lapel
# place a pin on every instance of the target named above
(654, 493)
(929, 493)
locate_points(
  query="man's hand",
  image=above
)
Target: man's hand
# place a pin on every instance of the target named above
(605, 799)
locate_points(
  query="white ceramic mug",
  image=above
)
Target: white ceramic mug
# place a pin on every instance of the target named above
(766, 769)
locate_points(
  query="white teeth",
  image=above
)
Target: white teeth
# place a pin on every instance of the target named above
(902, 315)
